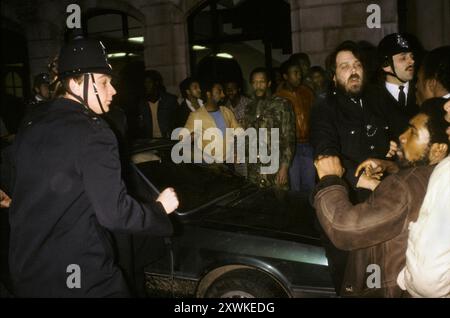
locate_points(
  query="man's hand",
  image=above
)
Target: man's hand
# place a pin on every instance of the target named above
(367, 182)
(282, 175)
(393, 147)
(5, 200)
(169, 200)
(375, 168)
(329, 165)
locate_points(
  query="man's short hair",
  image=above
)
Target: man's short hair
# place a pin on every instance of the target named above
(286, 65)
(436, 65)
(207, 86)
(156, 78)
(344, 46)
(436, 124)
(297, 58)
(186, 84)
(260, 70)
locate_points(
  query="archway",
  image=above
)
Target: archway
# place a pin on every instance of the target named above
(247, 30)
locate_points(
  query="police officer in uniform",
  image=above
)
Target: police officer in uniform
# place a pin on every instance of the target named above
(41, 89)
(396, 92)
(68, 192)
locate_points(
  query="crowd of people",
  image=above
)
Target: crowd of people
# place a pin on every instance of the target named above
(369, 146)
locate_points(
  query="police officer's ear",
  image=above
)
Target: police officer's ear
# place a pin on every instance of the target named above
(387, 68)
(76, 86)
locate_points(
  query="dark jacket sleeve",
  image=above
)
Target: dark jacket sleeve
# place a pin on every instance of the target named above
(378, 219)
(324, 135)
(114, 208)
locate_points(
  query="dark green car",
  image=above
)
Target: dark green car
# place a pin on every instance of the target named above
(231, 239)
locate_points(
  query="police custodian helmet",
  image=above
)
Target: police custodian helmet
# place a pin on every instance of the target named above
(391, 45)
(81, 56)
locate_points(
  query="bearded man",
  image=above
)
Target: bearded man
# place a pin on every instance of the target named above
(376, 231)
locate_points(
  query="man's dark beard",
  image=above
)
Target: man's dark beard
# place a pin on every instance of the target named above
(424, 161)
(342, 90)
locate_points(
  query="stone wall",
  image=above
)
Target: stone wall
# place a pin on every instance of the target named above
(318, 26)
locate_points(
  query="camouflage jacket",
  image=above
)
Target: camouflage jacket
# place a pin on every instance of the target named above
(271, 112)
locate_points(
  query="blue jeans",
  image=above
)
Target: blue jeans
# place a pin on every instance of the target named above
(302, 173)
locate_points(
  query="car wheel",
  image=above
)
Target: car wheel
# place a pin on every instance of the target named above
(245, 283)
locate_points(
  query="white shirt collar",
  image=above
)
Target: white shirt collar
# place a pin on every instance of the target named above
(189, 104)
(446, 96)
(394, 89)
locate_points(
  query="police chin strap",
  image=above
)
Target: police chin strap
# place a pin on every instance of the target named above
(96, 93)
(391, 64)
(82, 100)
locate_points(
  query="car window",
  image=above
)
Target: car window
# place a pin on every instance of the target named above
(196, 185)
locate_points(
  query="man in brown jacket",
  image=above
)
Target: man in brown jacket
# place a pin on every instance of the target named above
(376, 231)
(301, 172)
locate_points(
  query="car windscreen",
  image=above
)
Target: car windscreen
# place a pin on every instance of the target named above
(196, 185)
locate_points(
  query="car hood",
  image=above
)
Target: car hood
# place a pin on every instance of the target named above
(272, 213)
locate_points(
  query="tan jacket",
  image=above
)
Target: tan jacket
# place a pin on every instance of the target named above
(207, 121)
(376, 231)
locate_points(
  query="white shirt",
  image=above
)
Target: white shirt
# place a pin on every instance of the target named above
(155, 124)
(446, 96)
(394, 89)
(189, 104)
(427, 270)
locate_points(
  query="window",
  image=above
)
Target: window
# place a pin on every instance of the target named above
(14, 84)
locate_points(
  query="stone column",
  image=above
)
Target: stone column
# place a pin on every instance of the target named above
(319, 26)
(432, 23)
(166, 42)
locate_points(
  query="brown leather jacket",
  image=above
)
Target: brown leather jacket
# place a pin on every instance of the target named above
(375, 231)
(302, 100)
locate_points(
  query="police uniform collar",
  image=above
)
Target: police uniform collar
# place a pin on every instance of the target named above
(74, 105)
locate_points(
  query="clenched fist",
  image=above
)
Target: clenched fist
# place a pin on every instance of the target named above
(329, 165)
(169, 200)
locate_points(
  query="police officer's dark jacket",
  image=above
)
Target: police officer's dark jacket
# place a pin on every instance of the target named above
(67, 191)
(342, 127)
(397, 116)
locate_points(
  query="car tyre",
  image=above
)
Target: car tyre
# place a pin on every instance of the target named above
(245, 283)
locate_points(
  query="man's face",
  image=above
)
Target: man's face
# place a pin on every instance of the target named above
(415, 142)
(349, 73)
(217, 94)
(318, 80)
(423, 90)
(44, 90)
(105, 92)
(194, 90)
(260, 84)
(150, 86)
(232, 91)
(304, 66)
(293, 76)
(447, 116)
(404, 65)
